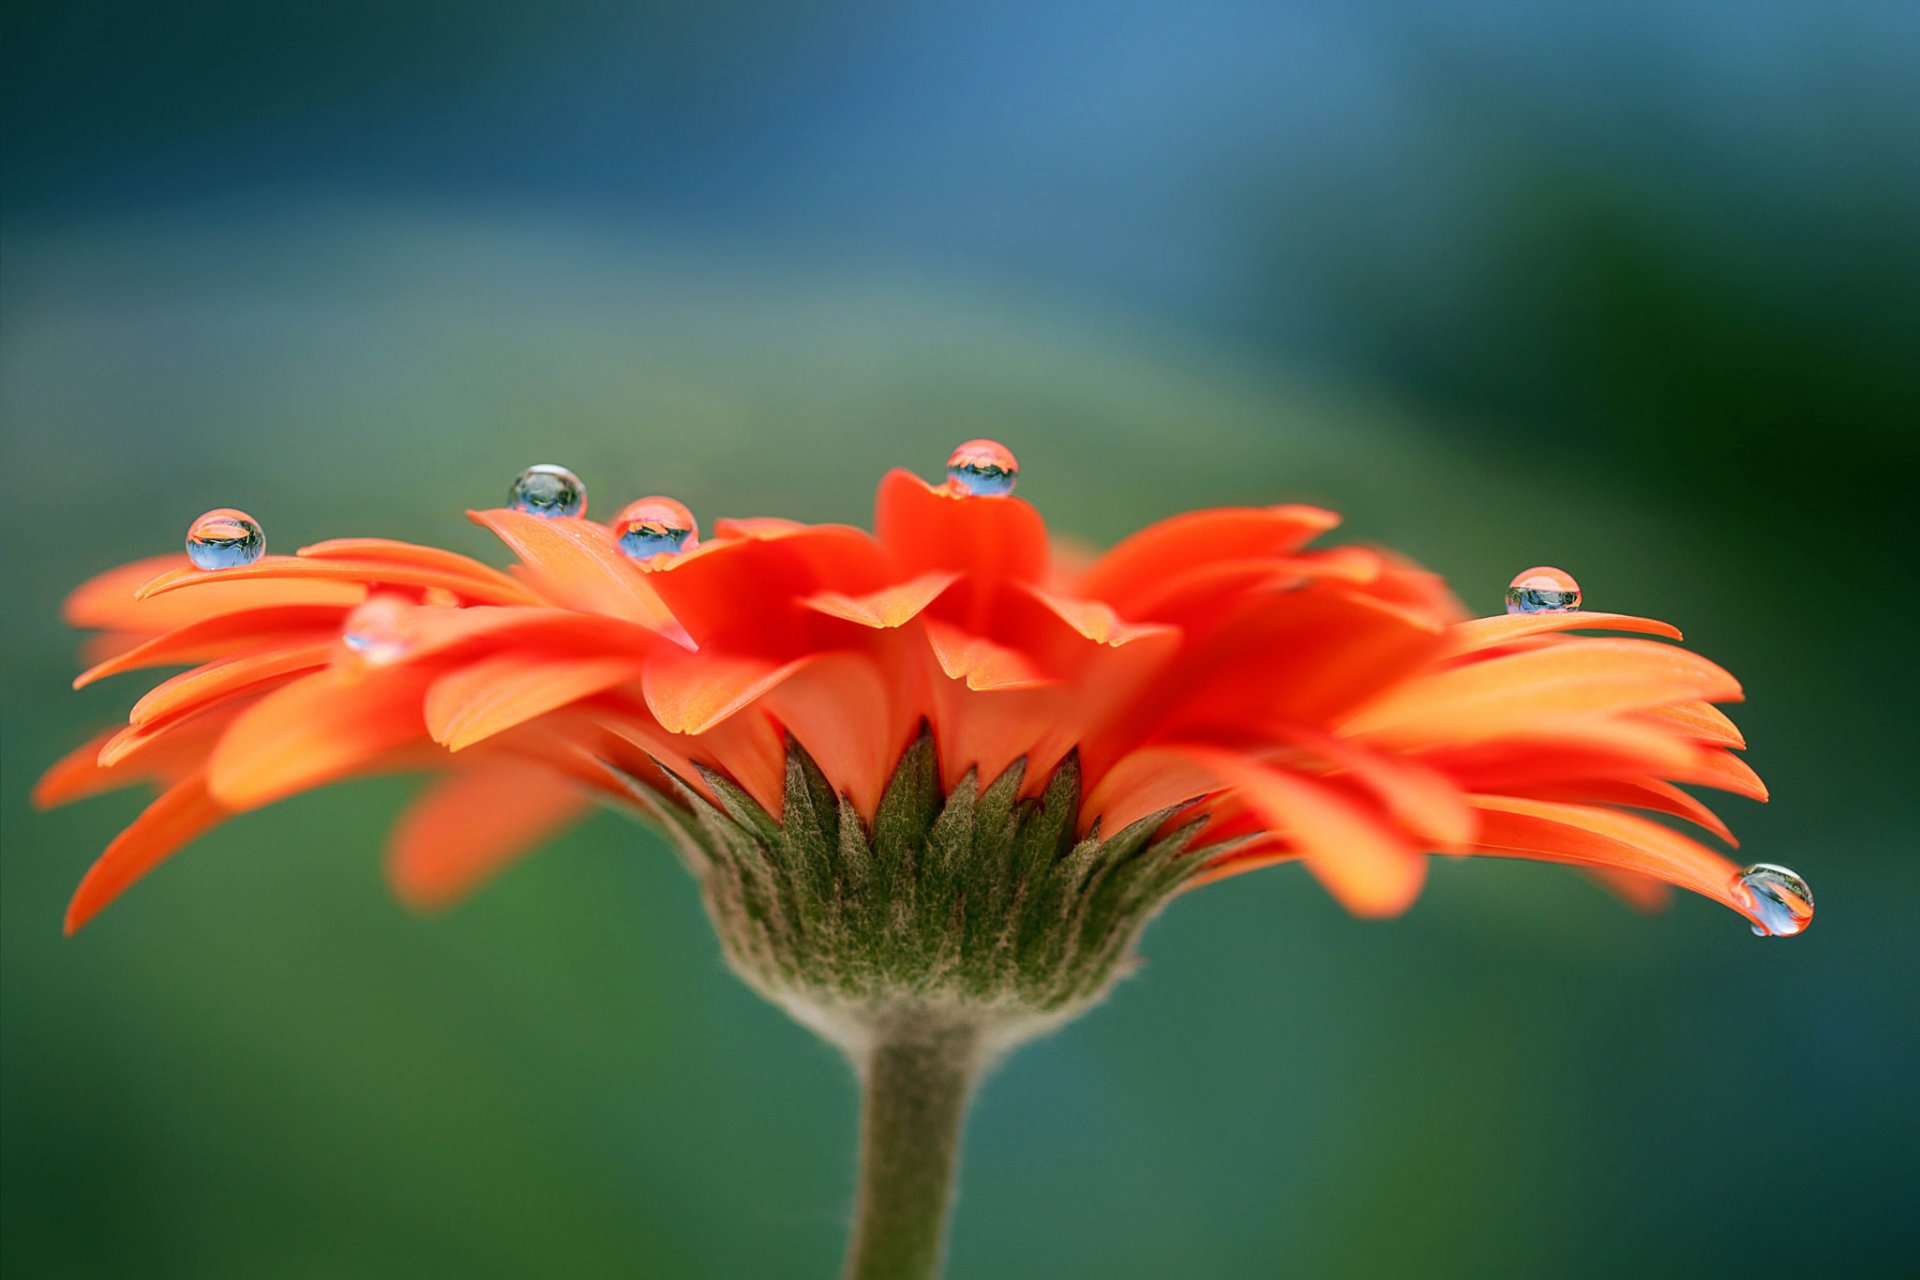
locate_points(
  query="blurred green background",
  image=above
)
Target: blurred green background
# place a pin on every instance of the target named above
(1628, 288)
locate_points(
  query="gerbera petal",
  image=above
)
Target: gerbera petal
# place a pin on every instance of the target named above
(1143, 564)
(77, 774)
(983, 664)
(1701, 721)
(889, 607)
(205, 685)
(1422, 800)
(1549, 831)
(116, 600)
(296, 579)
(692, 693)
(1637, 793)
(749, 592)
(177, 817)
(1360, 860)
(220, 636)
(1516, 691)
(320, 728)
(474, 702)
(845, 709)
(576, 563)
(471, 825)
(485, 579)
(1484, 633)
(927, 529)
(1642, 893)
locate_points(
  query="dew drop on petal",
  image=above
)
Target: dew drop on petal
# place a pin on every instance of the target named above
(655, 526)
(983, 468)
(547, 490)
(1543, 589)
(1778, 896)
(378, 630)
(225, 539)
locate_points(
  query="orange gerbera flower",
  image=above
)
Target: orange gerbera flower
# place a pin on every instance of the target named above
(1334, 706)
(933, 779)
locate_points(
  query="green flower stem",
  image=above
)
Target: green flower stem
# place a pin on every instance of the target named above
(916, 1080)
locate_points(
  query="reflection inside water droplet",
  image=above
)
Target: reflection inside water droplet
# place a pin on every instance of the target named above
(377, 630)
(983, 468)
(225, 539)
(655, 526)
(1543, 589)
(1781, 899)
(548, 490)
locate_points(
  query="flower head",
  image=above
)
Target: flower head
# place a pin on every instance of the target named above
(950, 728)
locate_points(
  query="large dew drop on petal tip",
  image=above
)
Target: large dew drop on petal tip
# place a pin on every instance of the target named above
(655, 526)
(1543, 589)
(983, 469)
(225, 539)
(1781, 899)
(377, 631)
(548, 490)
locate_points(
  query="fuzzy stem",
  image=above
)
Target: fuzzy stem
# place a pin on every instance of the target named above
(916, 1079)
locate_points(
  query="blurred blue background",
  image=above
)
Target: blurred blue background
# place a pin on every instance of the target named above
(1630, 288)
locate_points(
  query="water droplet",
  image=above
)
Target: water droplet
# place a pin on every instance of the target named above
(547, 490)
(1543, 589)
(378, 630)
(655, 526)
(1778, 896)
(983, 468)
(225, 539)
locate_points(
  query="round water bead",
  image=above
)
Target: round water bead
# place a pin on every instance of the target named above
(378, 630)
(225, 539)
(983, 468)
(1779, 896)
(1543, 589)
(547, 490)
(655, 526)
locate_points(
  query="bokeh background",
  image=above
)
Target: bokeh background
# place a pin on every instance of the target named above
(1629, 288)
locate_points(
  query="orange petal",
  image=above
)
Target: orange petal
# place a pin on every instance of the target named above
(1553, 832)
(477, 701)
(746, 593)
(1517, 691)
(1484, 633)
(1723, 771)
(1350, 851)
(468, 827)
(1422, 800)
(486, 581)
(1701, 721)
(694, 692)
(1094, 619)
(219, 636)
(77, 774)
(1637, 793)
(117, 600)
(1567, 750)
(576, 563)
(322, 579)
(1144, 782)
(320, 728)
(889, 607)
(845, 710)
(928, 530)
(180, 815)
(205, 685)
(1643, 893)
(1143, 565)
(979, 661)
